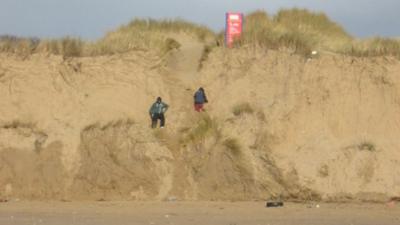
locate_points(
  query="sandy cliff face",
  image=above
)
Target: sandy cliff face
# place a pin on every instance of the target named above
(331, 122)
(277, 125)
(48, 102)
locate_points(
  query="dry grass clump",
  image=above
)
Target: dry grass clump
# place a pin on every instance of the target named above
(317, 24)
(67, 47)
(262, 31)
(373, 48)
(298, 30)
(18, 124)
(112, 124)
(139, 34)
(366, 146)
(205, 126)
(323, 171)
(316, 27)
(242, 108)
(302, 31)
(143, 34)
(204, 55)
(175, 26)
(233, 145)
(71, 47)
(257, 27)
(17, 45)
(171, 44)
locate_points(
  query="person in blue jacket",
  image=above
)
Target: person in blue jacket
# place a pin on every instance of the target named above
(157, 111)
(200, 99)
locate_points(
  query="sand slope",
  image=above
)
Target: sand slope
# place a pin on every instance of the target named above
(325, 128)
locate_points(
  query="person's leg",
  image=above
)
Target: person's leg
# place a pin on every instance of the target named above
(198, 107)
(162, 120)
(154, 121)
(201, 107)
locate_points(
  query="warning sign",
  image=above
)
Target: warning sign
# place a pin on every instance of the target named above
(234, 27)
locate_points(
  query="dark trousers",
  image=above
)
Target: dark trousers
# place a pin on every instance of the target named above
(155, 118)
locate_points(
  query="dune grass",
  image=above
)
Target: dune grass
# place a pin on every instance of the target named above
(242, 108)
(205, 127)
(262, 31)
(367, 146)
(298, 30)
(303, 31)
(140, 34)
(17, 45)
(314, 25)
(233, 145)
(204, 55)
(146, 34)
(373, 48)
(67, 47)
(176, 26)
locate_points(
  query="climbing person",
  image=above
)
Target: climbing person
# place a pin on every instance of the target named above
(157, 111)
(199, 99)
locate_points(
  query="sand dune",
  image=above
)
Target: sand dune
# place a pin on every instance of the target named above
(278, 125)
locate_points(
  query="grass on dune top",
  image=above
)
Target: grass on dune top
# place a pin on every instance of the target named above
(303, 31)
(297, 30)
(139, 34)
(148, 33)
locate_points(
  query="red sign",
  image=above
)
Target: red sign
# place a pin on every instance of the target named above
(234, 27)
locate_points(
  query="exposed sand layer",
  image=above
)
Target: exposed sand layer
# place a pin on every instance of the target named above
(277, 126)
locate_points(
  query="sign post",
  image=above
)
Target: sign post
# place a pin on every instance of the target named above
(233, 28)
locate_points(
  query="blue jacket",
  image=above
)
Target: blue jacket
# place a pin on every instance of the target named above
(200, 97)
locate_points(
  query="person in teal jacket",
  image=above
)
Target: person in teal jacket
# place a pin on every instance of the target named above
(157, 111)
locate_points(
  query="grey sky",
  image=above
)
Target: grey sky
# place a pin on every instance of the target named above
(92, 18)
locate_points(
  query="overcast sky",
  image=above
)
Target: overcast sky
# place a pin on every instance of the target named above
(90, 19)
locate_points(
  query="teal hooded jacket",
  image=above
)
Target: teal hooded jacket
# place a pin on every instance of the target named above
(158, 108)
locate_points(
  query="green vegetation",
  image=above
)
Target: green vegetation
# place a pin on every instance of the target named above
(171, 44)
(204, 55)
(18, 124)
(127, 123)
(302, 32)
(140, 34)
(309, 22)
(323, 171)
(372, 48)
(261, 31)
(145, 34)
(233, 145)
(297, 30)
(205, 126)
(242, 108)
(16, 45)
(366, 146)
(176, 26)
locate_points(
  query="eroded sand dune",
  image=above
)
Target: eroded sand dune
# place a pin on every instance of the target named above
(277, 125)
